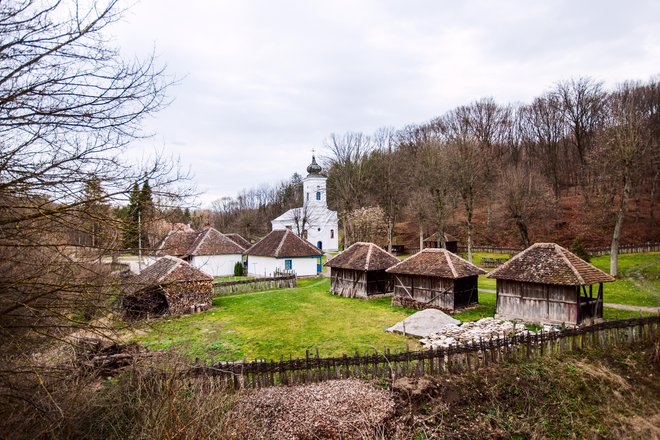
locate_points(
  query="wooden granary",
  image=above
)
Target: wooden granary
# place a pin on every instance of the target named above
(435, 278)
(549, 284)
(359, 271)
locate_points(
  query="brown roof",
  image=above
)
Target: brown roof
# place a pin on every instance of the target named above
(283, 243)
(210, 241)
(436, 263)
(433, 238)
(165, 270)
(239, 240)
(549, 263)
(176, 243)
(363, 256)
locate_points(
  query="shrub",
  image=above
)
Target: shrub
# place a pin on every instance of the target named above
(239, 270)
(577, 247)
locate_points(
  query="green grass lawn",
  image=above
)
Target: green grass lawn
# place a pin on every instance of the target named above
(282, 322)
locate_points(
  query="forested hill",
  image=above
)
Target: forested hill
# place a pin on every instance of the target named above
(572, 163)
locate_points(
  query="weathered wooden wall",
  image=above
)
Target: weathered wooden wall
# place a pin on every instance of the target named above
(358, 283)
(537, 302)
(423, 292)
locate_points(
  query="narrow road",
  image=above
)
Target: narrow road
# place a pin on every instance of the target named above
(611, 305)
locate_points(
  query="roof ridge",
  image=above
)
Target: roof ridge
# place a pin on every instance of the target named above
(203, 234)
(177, 263)
(366, 262)
(508, 262)
(560, 250)
(279, 246)
(450, 263)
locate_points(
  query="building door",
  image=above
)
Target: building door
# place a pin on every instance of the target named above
(319, 266)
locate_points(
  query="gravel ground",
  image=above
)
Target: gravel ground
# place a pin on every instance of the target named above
(342, 409)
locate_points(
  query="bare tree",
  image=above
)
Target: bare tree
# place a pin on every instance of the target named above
(626, 140)
(69, 108)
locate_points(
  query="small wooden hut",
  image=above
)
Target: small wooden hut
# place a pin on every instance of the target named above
(451, 242)
(359, 271)
(169, 286)
(435, 278)
(547, 283)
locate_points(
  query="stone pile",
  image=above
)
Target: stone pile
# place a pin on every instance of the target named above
(485, 328)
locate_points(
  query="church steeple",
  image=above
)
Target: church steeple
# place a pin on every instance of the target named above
(314, 168)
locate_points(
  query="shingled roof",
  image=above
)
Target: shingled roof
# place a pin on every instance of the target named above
(549, 263)
(363, 256)
(165, 271)
(210, 241)
(439, 263)
(283, 243)
(177, 243)
(239, 240)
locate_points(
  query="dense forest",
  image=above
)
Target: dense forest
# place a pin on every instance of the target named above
(578, 162)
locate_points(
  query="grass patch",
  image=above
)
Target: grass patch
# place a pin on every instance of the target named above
(638, 282)
(485, 309)
(283, 322)
(232, 278)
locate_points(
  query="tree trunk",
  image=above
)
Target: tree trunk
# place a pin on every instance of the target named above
(522, 229)
(390, 231)
(421, 235)
(469, 235)
(654, 188)
(616, 237)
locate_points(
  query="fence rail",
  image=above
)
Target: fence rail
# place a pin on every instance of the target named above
(455, 359)
(255, 284)
(623, 249)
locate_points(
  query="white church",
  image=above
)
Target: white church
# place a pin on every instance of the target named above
(313, 221)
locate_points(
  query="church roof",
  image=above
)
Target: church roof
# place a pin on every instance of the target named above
(314, 168)
(433, 262)
(283, 243)
(549, 263)
(363, 256)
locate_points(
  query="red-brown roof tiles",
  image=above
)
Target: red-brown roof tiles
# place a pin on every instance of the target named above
(436, 263)
(283, 243)
(363, 256)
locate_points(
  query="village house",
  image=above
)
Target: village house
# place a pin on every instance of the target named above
(451, 242)
(547, 283)
(435, 278)
(313, 221)
(168, 286)
(208, 250)
(359, 271)
(283, 251)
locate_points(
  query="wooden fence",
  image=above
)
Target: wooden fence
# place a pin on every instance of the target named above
(623, 249)
(452, 360)
(255, 284)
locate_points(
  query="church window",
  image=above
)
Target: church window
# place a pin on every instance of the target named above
(289, 227)
(307, 196)
(319, 229)
(332, 233)
(318, 195)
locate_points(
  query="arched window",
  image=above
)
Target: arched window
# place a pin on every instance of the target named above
(318, 195)
(308, 196)
(332, 233)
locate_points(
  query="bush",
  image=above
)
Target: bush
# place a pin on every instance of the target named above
(239, 270)
(577, 247)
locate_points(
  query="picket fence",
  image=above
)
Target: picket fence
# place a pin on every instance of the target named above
(455, 359)
(255, 284)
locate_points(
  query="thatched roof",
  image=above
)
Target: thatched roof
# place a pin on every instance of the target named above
(283, 243)
(436, 263)
(363, 256)
(177, 243)
(165, 270)
(433, 238)
(239, 240)
(210, 241)
(549, 263)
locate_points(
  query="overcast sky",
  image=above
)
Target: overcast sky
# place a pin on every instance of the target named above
(263, 82)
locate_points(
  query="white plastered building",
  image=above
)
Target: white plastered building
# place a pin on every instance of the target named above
(314, 221)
